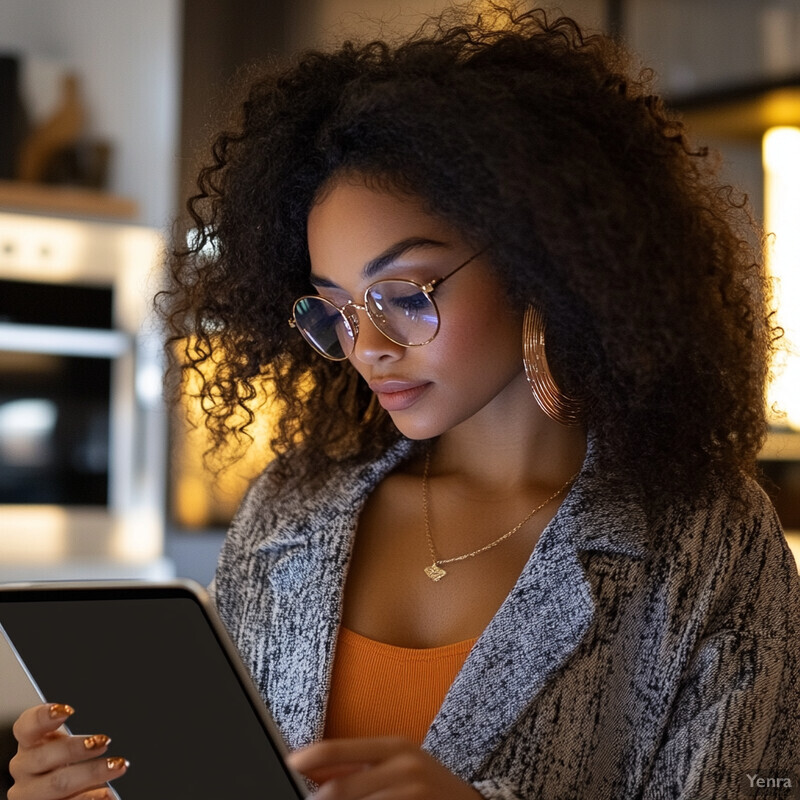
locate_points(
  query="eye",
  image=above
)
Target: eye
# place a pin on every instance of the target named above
(411, 304)
(397, 302)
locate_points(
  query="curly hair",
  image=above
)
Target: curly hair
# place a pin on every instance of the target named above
(535, 141)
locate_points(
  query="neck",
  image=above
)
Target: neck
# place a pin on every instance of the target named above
(510, 446)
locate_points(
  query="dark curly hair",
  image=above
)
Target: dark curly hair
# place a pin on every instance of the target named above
(535, 142)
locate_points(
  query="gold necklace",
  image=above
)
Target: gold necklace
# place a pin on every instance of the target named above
(435, 571)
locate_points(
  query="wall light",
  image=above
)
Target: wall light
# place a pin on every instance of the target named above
(781, 158)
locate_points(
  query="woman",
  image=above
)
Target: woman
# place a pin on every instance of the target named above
(511, 545)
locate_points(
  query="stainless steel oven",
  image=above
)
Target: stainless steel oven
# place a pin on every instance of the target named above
(82, 427)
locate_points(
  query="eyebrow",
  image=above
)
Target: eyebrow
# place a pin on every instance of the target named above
(382, 261)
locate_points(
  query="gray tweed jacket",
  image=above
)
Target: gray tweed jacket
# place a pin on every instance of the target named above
(631, 659)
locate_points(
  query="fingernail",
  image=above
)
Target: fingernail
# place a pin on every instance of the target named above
(117, 763)
(60, 710)
(98, 740)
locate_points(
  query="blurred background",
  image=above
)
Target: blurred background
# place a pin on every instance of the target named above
(104, 108)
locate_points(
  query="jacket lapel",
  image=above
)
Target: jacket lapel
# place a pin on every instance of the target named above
(305, 566)
(540, 624)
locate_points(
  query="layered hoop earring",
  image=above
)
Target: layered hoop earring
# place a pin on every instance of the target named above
(559, 407)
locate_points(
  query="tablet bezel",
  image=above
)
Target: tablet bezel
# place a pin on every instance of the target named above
(180, 588)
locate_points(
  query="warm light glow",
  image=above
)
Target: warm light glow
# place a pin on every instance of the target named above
(33, 534)
(136, 537)
(200, 496)
(779, 107)
(781, 156)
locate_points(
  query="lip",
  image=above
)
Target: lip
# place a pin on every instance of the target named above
(398, 395)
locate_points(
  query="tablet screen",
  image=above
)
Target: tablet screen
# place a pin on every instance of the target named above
(150, 672)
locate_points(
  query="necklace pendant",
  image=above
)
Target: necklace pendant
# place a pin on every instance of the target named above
(435, 572)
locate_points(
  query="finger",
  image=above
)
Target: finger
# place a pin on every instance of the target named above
(403, 776)
(356, 753)
(391, 769)
(322, 775)
(35, 723)
(56, 752)
(75, 779)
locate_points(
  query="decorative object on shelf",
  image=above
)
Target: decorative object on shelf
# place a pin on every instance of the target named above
(83, 164)
(56, 149)
(60, 131)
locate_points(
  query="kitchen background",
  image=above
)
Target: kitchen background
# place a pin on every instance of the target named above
(104, 105)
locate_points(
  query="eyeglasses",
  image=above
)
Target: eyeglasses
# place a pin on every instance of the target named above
(403, 311)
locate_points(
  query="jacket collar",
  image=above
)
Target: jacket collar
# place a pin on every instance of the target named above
(597, 515)
(344, 495)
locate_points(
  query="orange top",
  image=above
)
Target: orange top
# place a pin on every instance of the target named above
(381, 690)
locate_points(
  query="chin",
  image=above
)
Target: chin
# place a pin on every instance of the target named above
(419, 427)
(417, 434)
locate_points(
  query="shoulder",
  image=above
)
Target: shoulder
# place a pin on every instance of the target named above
(727, 550)
(718, 556)
(606, 512)
(274, 504)
(730, 519)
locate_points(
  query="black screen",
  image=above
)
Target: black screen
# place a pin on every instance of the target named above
(67, 305)
(54, 429)
(151, 674)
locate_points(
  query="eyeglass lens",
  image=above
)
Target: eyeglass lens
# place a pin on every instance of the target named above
(401, 310)
(324, 327)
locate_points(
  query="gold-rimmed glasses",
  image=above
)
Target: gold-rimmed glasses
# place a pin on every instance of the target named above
(404, 311)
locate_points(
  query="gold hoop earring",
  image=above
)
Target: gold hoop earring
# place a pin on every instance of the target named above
(554, 403)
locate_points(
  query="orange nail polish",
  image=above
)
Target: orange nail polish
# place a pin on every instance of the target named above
(60, 710)
(98, 740)
(117, 763)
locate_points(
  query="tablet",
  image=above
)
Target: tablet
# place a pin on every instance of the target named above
(151, 666)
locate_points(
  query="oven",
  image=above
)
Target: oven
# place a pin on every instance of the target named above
(82, 424)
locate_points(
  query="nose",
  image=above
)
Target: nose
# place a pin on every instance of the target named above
(371, 345)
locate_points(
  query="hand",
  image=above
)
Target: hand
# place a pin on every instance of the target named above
(379, 769)
(52, 765)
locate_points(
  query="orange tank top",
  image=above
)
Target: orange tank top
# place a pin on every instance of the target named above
(382, 690)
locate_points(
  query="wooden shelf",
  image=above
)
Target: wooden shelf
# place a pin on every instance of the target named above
(67, 200)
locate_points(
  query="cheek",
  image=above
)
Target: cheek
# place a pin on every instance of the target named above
(486, 342)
